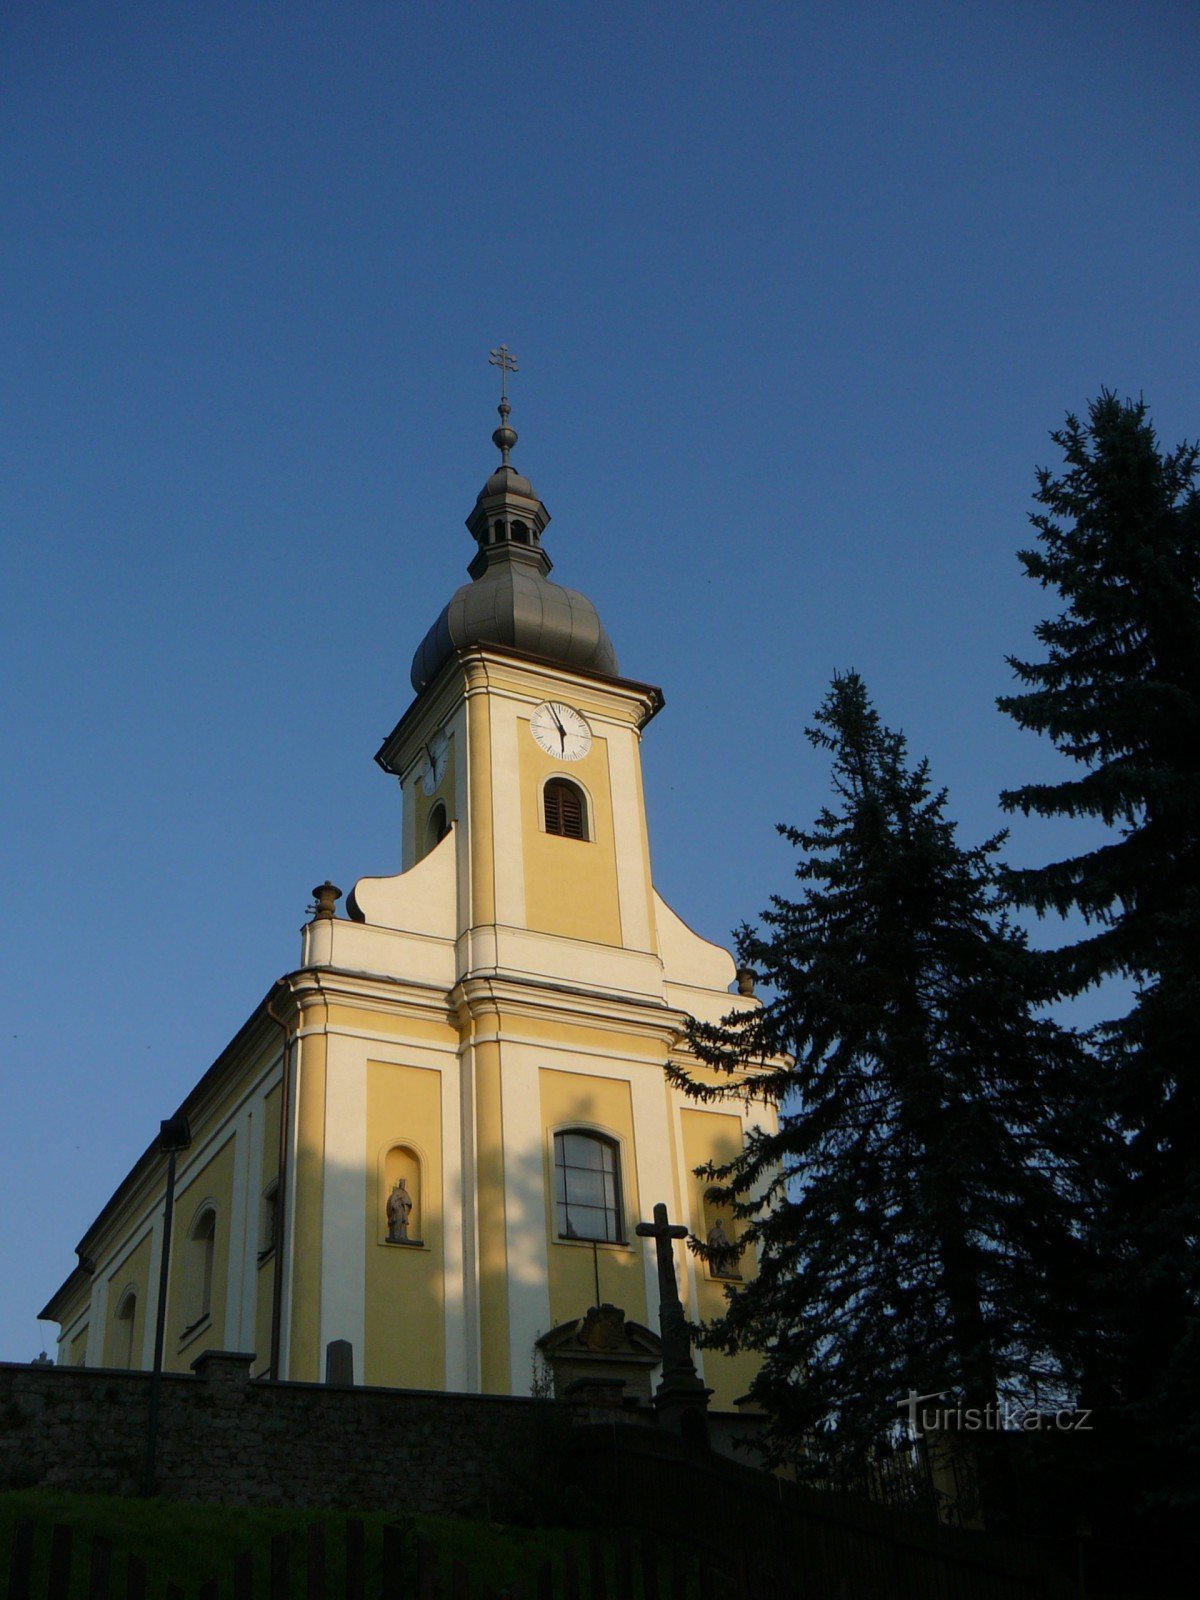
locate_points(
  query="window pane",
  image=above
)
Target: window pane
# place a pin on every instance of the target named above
(585, 1188)
(580, 1151)
(590, 1222)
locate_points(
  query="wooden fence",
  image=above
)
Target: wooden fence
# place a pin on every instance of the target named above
(823, 1543)
(297, 1565)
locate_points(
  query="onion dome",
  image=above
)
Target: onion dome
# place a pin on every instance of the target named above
(510, 599)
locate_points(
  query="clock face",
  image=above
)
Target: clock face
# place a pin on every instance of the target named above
(433, 770)
(561, 731)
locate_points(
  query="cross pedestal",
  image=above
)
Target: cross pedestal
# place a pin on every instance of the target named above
(681, 1398)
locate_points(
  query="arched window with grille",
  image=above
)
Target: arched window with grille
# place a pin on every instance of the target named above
(202, 1244)
(587, 1187)
(124, 1347)
(565, 809)
(268, 1228)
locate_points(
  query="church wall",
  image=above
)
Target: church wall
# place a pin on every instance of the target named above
(524, 1212)
(507, 847)
(341, 1243)
(302, 1358)
(126, 1243)
(421, 804)
(404, 1328)
(264, 1256)
(390, 1021)
(634, 885)
(480, 906)
(490, 1219)
(713, 1136)
(77, 1348)
(211, 1182)
(570, 1099)
(132, 1272)
(570, 884)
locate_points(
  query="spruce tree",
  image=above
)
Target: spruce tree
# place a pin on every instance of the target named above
(909, 1215)
(1119, 693)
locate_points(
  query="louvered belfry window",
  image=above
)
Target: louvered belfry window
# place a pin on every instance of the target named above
(565, 809)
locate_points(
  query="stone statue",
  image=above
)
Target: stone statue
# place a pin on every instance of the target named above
(399, 1208)
(722, 1263)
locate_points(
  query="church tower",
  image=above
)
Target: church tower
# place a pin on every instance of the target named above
(434, 1139)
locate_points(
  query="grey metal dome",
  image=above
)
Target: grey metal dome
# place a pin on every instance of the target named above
(511, 601)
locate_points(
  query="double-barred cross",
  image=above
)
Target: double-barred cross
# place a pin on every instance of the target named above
(507, 362)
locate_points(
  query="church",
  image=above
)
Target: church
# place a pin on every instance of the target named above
(433, 1140)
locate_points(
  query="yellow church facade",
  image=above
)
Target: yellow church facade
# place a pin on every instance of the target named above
(434, 1138)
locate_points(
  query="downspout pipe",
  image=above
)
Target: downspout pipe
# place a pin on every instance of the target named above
(285, 1096)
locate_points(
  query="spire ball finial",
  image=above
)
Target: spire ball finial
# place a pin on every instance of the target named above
(504, 437)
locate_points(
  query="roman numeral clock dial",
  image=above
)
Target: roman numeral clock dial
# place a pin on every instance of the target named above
(561, 731)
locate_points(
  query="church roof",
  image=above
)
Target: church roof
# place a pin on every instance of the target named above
(510, 599)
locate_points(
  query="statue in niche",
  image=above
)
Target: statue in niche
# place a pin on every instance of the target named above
(399, 1209)
(722, 1263)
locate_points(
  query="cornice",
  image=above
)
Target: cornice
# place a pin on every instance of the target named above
(482, 995)
(466, 672)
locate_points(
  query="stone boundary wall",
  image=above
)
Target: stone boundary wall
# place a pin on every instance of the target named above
(225, 1438)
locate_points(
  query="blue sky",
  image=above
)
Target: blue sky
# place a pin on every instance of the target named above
(798, 292)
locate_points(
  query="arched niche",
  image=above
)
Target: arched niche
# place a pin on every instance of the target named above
(719, 1225)
(402, 1196)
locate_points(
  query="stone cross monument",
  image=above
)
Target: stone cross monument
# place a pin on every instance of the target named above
(681, 1398)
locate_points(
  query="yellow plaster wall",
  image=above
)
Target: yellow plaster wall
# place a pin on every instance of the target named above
(214, 1181)
(405, 1322)
(479, 777)
(493, 1247)
(645, 847)
(713, 1136)
(569, 1099)
(78, 1347)
(264, 1279)
(134, 1273)
(401, 1024)
(303, 1364)
(570, 884)
(567, 1033)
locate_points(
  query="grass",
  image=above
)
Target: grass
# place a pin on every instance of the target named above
(188, 1544)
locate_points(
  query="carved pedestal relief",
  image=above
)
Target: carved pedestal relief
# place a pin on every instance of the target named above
(602, 1345)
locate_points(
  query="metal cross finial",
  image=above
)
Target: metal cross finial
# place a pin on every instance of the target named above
(507, 363)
